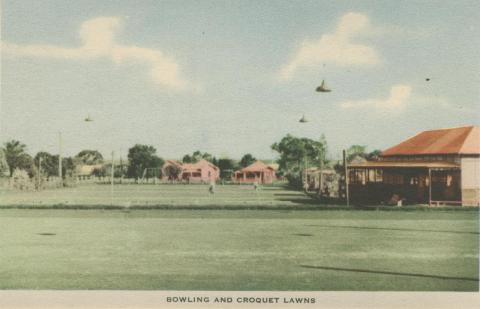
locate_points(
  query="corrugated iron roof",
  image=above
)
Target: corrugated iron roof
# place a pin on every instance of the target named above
(404, 164)
(463, 140)
(257, 166)
(87, 170)
(198, 166)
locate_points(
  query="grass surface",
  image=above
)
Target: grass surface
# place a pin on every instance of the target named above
(158, 195)
(238, 249)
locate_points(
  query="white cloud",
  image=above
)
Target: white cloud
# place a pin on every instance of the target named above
(98, 40)
(441, 102)
(396, 102)
(338, 48)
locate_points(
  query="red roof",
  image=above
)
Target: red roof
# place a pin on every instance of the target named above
(198, 165)
(464, 140)
(258, 166)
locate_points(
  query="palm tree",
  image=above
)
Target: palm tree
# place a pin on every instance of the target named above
(15, 155)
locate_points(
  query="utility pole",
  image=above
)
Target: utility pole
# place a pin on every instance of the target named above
(346, 177)
(60, 156)
(111, 188)
(39, 172)
(305, 173)
(320, 185)
(429, 187)
(121, 166)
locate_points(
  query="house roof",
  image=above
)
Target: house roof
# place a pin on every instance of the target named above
(463, 140)
(173, 162)
(198, 165)
(87, 170)
(405, 164)
(257, 166)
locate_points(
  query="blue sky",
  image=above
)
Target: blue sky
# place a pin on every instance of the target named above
(231, 77)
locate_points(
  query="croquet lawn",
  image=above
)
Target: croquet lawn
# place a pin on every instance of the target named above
(313, 250)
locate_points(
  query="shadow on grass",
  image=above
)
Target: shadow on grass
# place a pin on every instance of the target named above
(388, 273)
(391, 229)
(300, 200)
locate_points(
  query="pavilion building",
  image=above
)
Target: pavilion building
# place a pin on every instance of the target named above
(433, 167)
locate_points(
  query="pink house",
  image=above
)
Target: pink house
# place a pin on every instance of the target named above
(202, 171)
(257, 172)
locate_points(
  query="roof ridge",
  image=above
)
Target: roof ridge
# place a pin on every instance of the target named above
(451, 128)
(460, 140)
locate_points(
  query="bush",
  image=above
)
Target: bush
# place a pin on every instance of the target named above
(294, 180)
(21, 180)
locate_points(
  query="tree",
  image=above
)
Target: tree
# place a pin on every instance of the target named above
(68, 166)
(214, 161)
(361, 151)
(3, 163)
(197, 156)
(372, 156)
(187, 159)
(141, 157)
(16, 156)
(298, 153)
(99, 171)
(106, 170)
(173, 171)
(226, 166)
(49, 163)
(208, 157)
(89, 157)
(356, 151)
(25, 162)
(247, 160)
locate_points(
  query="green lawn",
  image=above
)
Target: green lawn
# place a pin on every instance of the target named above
(238, 249)
(166, 195)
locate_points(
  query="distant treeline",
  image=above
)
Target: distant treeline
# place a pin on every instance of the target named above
(294, 155)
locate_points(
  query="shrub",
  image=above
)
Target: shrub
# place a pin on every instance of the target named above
(21, 180)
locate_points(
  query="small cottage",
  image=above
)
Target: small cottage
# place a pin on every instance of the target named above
(257, 172)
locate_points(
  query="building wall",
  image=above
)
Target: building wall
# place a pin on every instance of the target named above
(268, 176)
(209, 173)
(470, 181)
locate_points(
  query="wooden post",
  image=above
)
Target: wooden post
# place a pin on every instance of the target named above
(121, 167)
(321, 177)
(39, 172)
(429, 187)
(346, 177)
(305, 173)
(60, 155)
(111, 187)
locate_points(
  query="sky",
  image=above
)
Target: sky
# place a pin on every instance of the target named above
(233, 77)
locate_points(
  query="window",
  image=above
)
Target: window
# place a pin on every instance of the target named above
(375, 175)
(357, 176)
(413, 180)
(393, 179)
